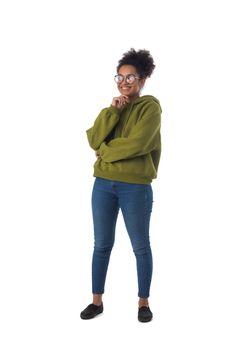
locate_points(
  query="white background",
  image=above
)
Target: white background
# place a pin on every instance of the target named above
(57, 64)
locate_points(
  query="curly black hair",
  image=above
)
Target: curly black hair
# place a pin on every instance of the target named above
(141, 60)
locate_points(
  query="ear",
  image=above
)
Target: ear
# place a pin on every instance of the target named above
(142, 82)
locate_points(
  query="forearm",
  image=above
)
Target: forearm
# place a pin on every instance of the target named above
(144, 139)
(103, 125)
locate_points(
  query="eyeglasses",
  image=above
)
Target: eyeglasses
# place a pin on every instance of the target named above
(129, 78)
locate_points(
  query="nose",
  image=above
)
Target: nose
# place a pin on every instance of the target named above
(124, 82)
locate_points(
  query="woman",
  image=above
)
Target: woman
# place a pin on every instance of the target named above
(126, 139)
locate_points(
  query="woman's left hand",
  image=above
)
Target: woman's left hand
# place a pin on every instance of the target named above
(97, 154)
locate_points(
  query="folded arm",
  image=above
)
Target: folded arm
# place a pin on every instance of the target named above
(144, 137)
(103, 125)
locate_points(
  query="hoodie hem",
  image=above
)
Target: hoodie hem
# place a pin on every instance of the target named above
(129, 178)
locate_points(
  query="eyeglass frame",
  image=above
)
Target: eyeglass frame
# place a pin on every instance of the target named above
(125, 78)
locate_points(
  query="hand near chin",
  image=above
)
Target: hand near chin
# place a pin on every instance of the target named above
(120, 101)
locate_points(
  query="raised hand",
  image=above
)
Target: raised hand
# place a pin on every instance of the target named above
(120, 101)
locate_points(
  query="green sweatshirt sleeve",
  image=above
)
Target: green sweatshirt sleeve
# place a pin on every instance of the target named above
(144, 137)
(103, 125)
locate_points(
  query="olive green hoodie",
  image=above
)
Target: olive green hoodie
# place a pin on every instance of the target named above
(128, 141)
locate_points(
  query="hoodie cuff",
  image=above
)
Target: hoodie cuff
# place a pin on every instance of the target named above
(114, 109)
(102, 149)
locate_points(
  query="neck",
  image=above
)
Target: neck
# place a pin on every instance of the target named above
(133, 98)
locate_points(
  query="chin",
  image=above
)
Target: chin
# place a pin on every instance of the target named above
(126, 93)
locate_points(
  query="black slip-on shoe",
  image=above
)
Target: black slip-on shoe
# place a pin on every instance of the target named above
(144, 314)
(91, 311)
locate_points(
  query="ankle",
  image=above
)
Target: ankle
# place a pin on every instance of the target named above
(143, 302)
(97, 299)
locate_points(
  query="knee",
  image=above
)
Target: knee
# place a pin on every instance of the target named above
(142, 249)
(103, 251)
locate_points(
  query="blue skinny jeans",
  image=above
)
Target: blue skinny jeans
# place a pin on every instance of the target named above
(135, 202)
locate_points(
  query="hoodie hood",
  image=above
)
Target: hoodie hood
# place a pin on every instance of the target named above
(145, 99)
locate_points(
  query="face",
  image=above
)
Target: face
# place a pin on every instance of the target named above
(132, 90)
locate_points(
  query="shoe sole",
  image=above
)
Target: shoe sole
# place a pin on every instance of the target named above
(145, 319)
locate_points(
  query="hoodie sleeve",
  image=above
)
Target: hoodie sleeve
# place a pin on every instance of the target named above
(144, 137)
(103, 125)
